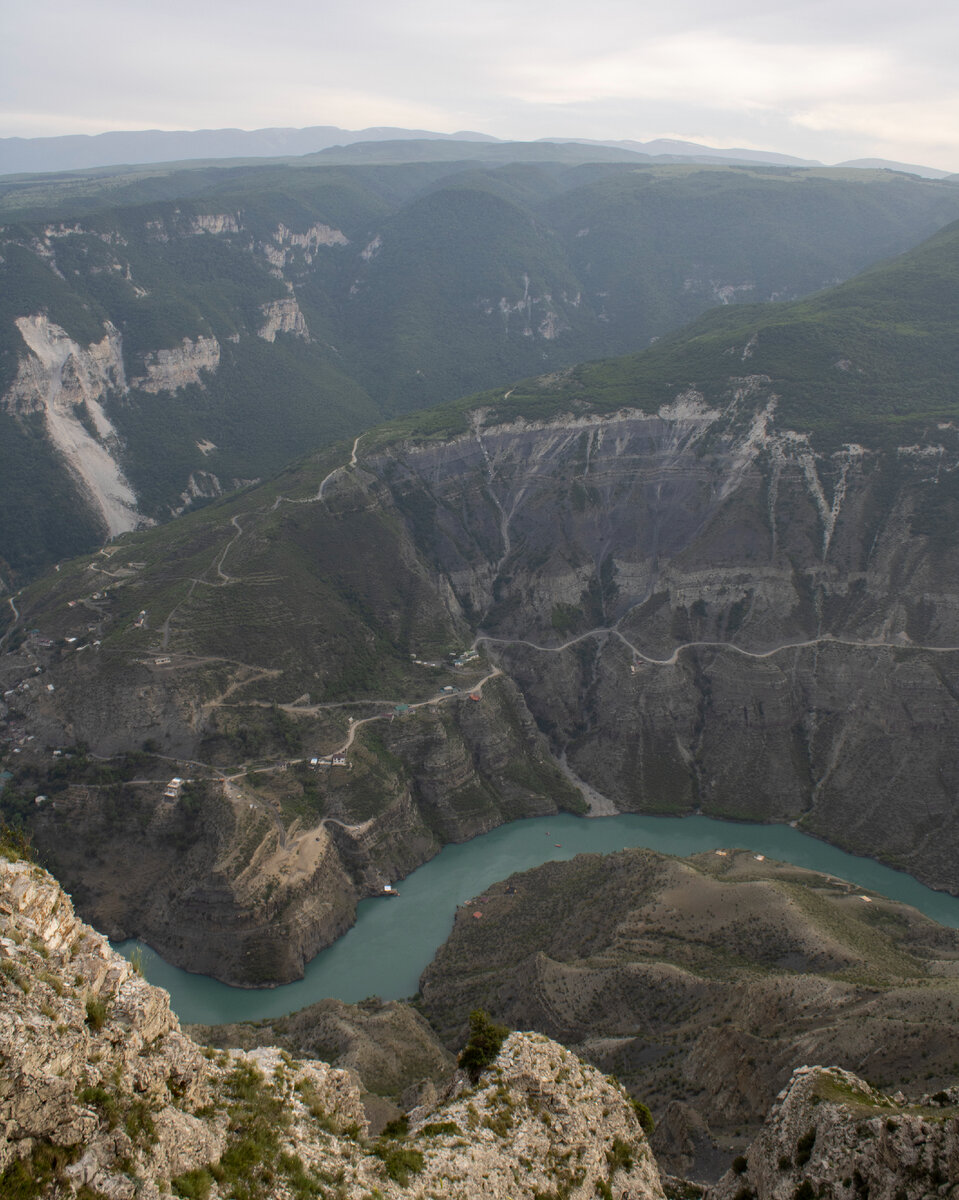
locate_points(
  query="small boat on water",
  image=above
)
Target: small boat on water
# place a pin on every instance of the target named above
(389, 890)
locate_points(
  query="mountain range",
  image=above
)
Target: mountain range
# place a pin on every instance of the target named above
(74, 152)
(376, 562)
(168, 337)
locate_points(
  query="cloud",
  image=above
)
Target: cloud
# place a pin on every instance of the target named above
(714, 71)
(821, 77)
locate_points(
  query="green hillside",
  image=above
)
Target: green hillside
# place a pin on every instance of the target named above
(390, 288)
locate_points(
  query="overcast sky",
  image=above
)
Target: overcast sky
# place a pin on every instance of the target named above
(826, 79)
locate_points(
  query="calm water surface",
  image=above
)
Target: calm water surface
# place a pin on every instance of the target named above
(391, 943)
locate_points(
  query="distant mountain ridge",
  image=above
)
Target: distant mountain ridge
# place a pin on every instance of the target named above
(277, 307)
(74, 152)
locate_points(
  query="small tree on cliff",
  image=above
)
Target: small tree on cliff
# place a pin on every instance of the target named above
(484, 1044)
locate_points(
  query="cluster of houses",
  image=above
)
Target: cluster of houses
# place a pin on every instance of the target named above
(330, 760)
(172, 790)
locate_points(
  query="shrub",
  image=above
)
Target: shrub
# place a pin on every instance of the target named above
(436, 1128)
(193, 1185)
(96, 1013)
(485, 1041)
(644, 1116)
(804, 1147)
(399, 1162)
(740, 1163)
(619, 1156)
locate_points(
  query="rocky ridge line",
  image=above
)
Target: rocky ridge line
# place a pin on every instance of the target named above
(832, 1136)
(100, 1090)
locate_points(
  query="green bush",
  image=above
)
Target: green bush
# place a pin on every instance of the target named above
(398, 1161)
(96, 1013)
(619, 1156)
(193, 1185)
(646, 1121)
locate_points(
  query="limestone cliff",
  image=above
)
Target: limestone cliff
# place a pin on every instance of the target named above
(68, 384)
(101, 1093)
(282, 316)
(831, 1135)
(168, 370)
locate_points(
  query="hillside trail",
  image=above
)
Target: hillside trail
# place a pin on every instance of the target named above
(219, 558)
(825, 639)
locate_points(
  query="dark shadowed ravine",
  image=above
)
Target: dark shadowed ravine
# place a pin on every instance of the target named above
(392, 941)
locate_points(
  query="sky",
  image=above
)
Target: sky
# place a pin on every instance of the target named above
(824, 79)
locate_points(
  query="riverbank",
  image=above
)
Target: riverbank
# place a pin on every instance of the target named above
(390, 945)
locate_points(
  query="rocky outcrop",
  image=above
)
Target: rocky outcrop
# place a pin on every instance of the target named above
(530, 1128)
(101, 1092)
(831, 1135)
(215, 223)
(282, 316)
(387, 1044)
(95, 1070)
(286, 246)
(68, 384)
(168, 370)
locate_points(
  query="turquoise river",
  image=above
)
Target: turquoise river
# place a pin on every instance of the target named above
(392, 941)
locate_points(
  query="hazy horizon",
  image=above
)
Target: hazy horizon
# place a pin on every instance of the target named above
(833, 82)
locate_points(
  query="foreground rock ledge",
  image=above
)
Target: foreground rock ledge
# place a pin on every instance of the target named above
(101, 1091)
(833, 1137)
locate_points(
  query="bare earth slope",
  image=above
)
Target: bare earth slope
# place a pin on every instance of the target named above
(707, 980)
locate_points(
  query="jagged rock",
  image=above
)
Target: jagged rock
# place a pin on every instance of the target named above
(540, 1121)
(830, 1135)
(282, 316)
(100, 1090)
(168, 370)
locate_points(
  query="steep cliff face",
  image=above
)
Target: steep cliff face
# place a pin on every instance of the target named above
(684, 610)
(248, 878)
(705, 614)
(268, 313)
(830, 1134)
(180, 366)
(68, 385)
(101, 1092)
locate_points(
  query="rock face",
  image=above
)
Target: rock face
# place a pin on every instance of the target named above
(831, 1135)
(282, 316)
(249, 888)
(690, 610)
(100, 1090)
(92, 1056)
(180, 366)
(68, 385)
